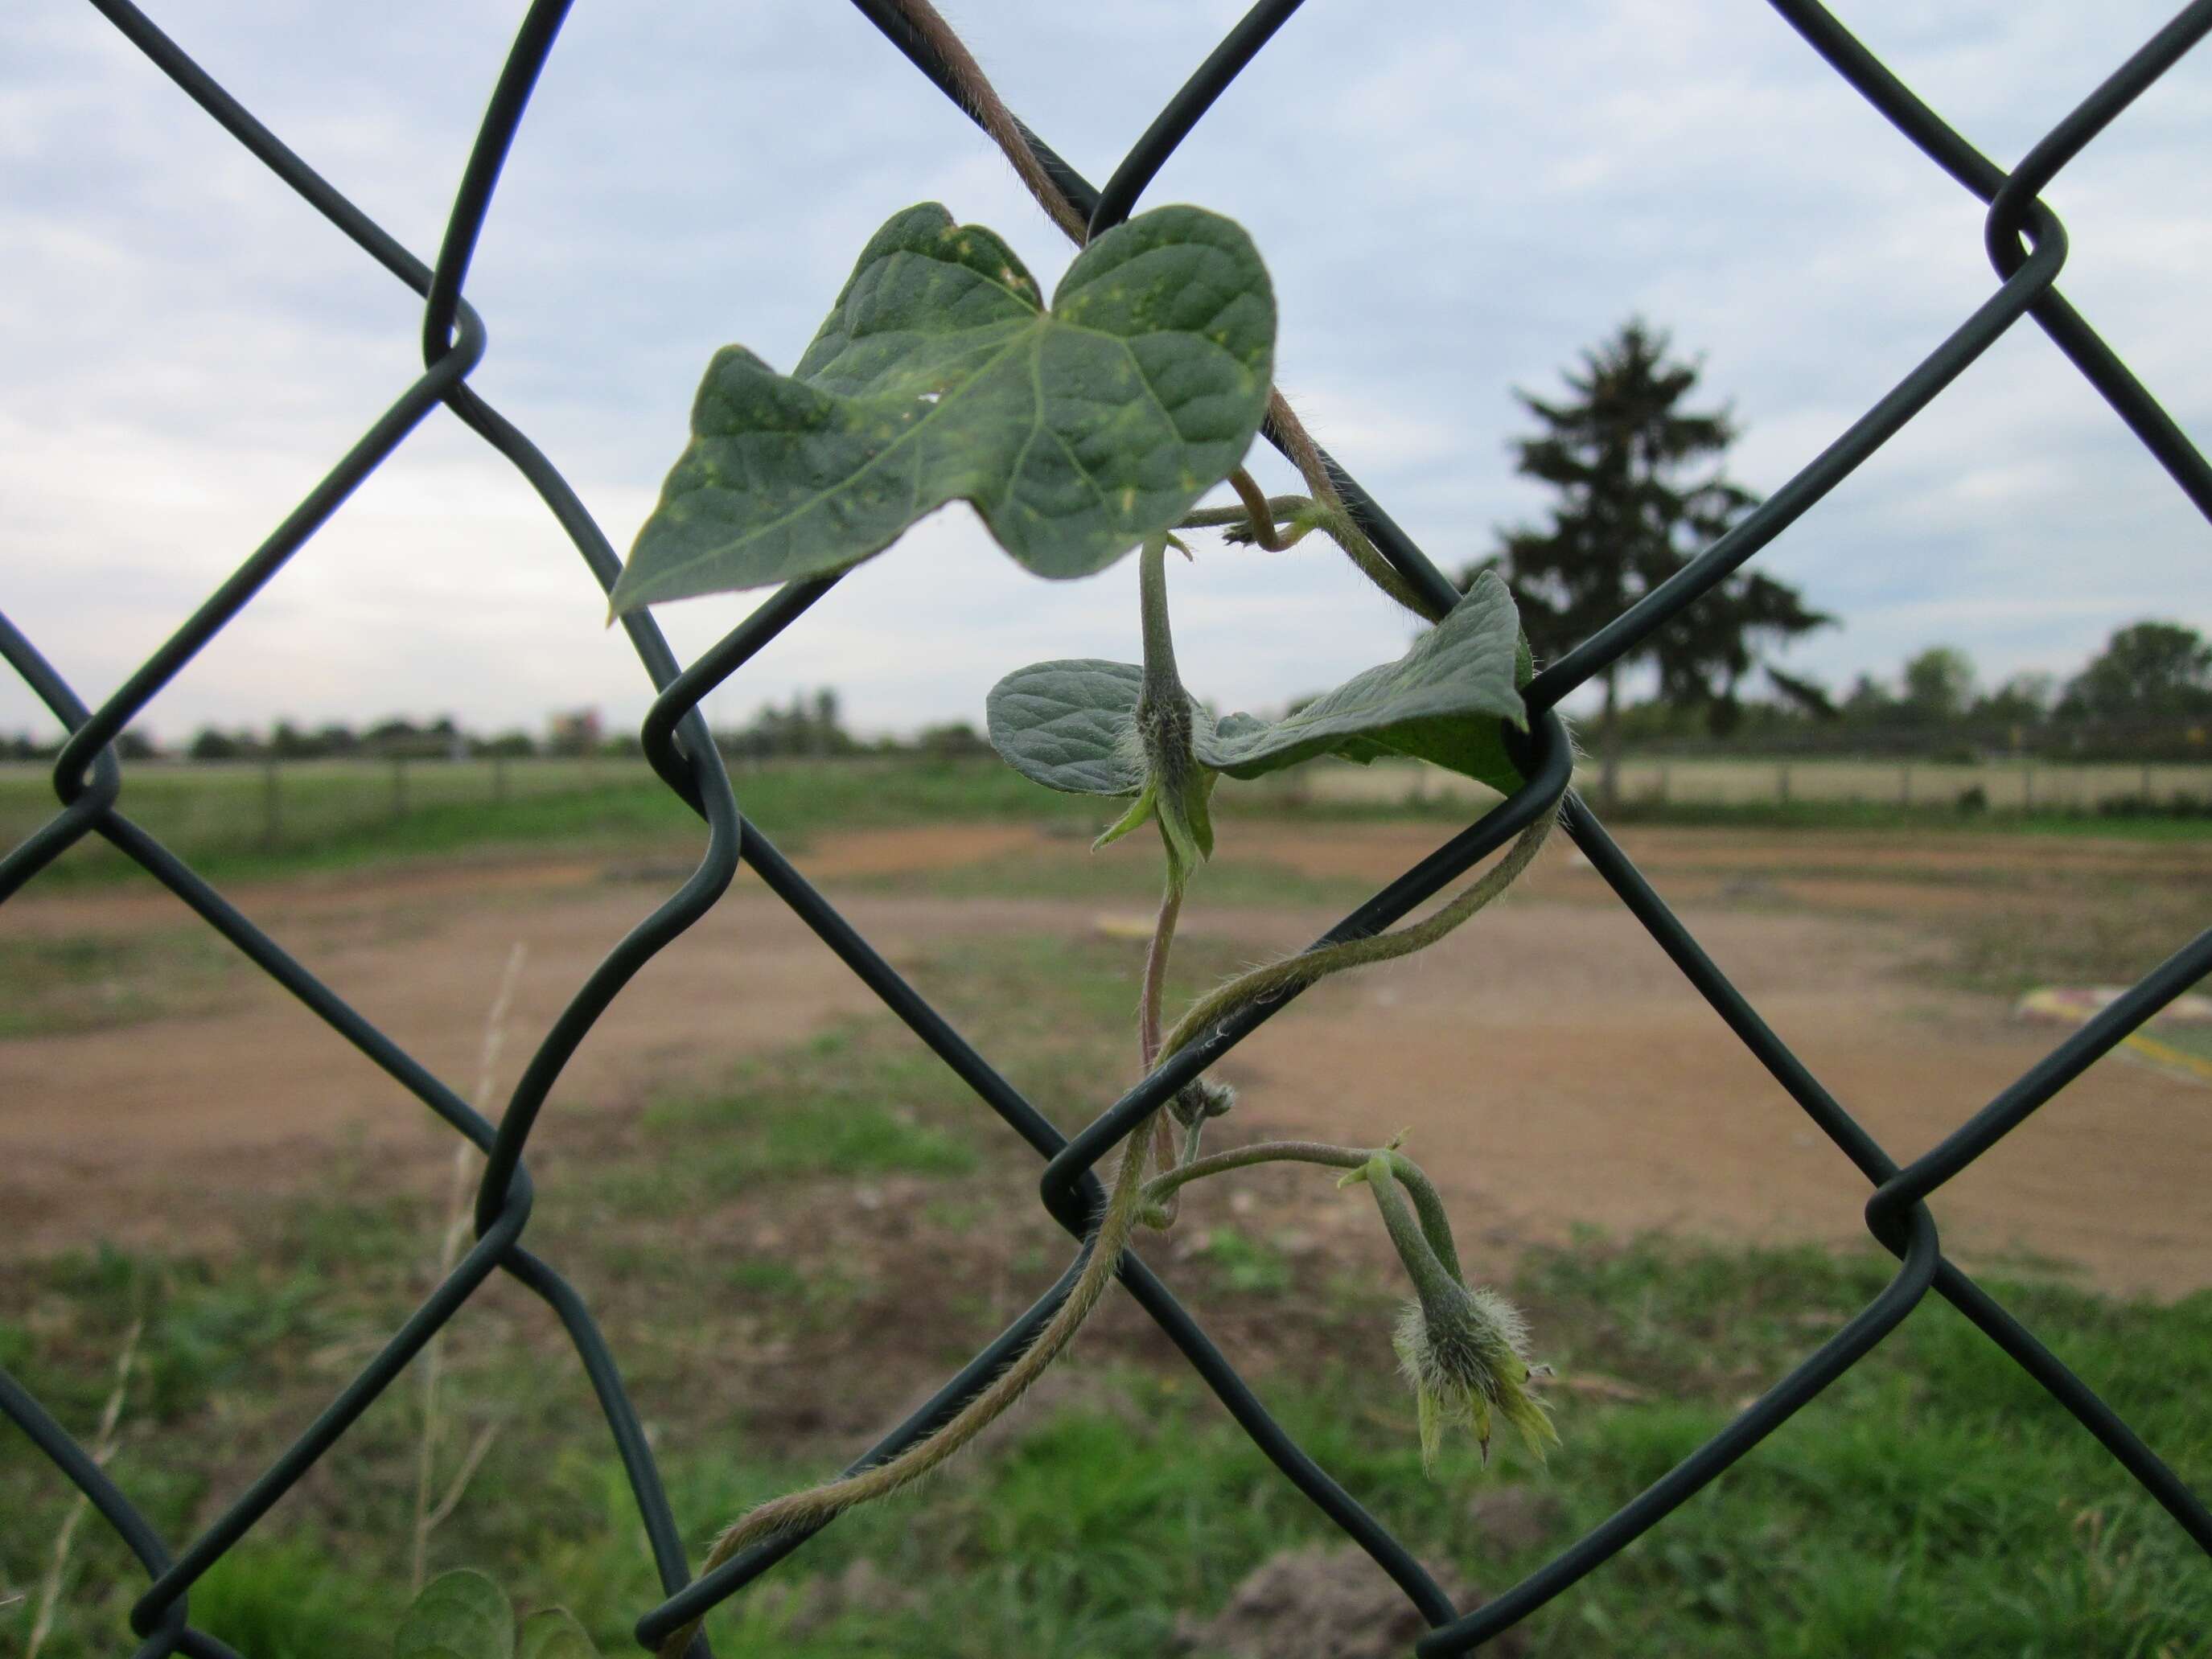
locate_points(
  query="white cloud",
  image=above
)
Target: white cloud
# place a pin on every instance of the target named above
(1453, 202)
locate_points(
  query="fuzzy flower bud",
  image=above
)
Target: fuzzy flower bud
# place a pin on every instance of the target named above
(1199, 1100)
(1465, 1352)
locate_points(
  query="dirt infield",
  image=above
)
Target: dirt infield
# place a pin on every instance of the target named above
(1553, 1068)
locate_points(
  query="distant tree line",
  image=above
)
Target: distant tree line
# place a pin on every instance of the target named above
(2147, 694)
(811, 724)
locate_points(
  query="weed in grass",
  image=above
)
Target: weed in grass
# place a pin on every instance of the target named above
(1934, 1502)
(282, 1597)
(87, 982)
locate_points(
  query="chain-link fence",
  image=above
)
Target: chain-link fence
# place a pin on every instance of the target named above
(2025, 244)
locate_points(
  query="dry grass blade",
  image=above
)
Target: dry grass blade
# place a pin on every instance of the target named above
(428, 1514)
(49, 1588)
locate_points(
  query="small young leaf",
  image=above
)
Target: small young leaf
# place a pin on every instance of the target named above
(939, 377)
(1072, 725)
(553, 1634)
(460, 1614)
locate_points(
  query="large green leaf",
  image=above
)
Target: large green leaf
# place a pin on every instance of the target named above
(1072, 726)
(1075, 432)
(459, 1615)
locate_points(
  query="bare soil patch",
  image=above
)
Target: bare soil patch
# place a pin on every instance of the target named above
(1552, 1066)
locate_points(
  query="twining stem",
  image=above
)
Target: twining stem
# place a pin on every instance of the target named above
(1162, 687)
(1279, 508)
(1256, 506)
(981, 99)
(1260, 515)
(821, 1505)
(1336, 518)
(1427, 1202)
(1163, 691)
(1148, 1021)
(1156, 974)
(1303, 969)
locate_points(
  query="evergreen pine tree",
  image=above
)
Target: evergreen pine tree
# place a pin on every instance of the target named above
(1641, 493)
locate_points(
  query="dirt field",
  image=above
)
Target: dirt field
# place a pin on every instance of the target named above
(1552, 1068)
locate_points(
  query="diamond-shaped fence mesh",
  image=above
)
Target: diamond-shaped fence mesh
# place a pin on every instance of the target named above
(2026, 245)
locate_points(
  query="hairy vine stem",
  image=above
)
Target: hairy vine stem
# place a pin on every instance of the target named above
(1279, 508)
(1148, 1032)
(1425, 1264)
(1295, 972)
(818, 1505)
(1259, 514)
(1163, 692)
(1428, 1203)
(1181, 806)
(982, 99)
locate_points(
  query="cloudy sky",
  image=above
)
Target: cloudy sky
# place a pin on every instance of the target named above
(1453, 199)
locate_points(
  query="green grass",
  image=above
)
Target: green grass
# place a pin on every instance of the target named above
(767, 1319)
(1243, 1264)
(1932, 1502)
(334, 815)
(854, 1101)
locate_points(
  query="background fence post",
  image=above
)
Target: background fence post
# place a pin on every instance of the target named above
(271, 806)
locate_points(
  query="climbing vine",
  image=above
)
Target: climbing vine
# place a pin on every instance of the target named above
(1081, 431)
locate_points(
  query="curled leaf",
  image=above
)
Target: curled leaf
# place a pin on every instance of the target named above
(1073, 725)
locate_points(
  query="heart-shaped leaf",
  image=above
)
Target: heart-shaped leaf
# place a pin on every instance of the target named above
(460, 1614)
(1072, 726)
(1074, 432)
